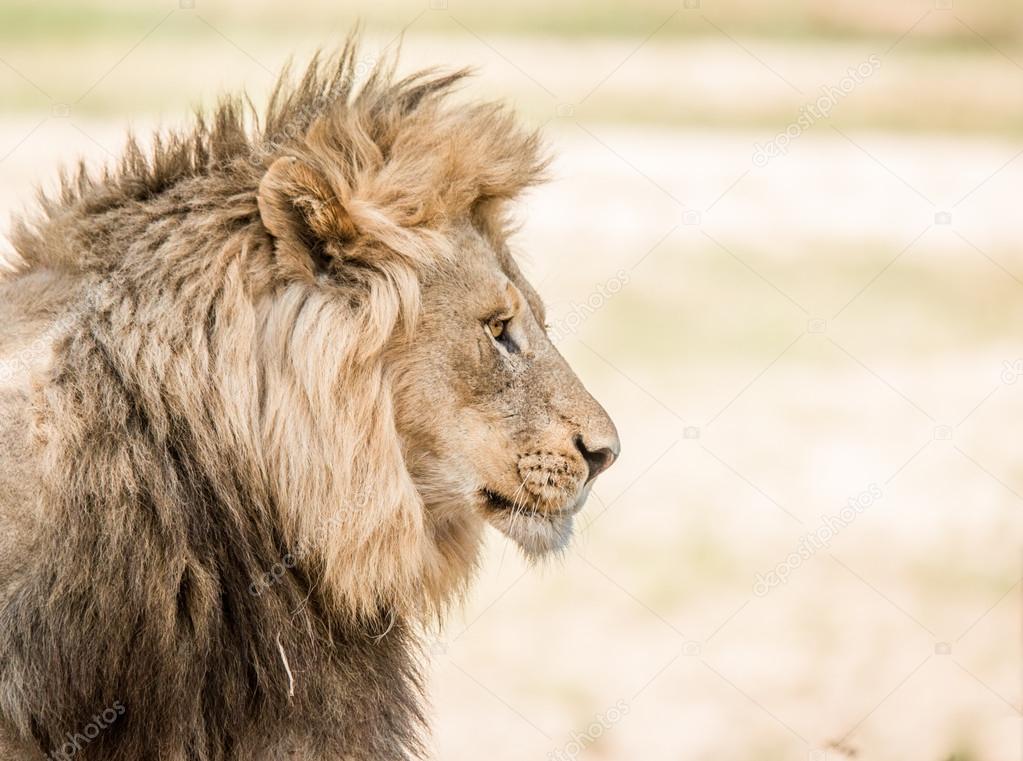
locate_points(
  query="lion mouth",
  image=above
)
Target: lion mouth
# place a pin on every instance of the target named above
(497, 501)
(536, 531)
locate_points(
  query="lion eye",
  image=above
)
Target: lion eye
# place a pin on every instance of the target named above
(497, 327)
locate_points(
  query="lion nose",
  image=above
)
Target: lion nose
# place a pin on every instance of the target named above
(598, 453)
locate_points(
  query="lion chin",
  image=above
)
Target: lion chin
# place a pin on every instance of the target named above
(538, 531)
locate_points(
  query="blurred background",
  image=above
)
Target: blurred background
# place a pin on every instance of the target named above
(783, 246)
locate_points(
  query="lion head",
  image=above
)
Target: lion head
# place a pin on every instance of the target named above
(409, 220)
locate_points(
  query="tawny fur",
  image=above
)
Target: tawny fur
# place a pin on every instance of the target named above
(206, 355)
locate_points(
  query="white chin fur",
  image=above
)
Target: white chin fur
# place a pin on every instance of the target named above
(537, 535)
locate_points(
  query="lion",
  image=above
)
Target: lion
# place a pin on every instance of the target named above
(262, 388)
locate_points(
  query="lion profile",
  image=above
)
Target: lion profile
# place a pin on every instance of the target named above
(261, 391)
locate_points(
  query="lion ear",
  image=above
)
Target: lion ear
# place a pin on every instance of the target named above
(298, 206)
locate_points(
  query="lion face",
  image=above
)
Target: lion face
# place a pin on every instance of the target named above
(497, 426)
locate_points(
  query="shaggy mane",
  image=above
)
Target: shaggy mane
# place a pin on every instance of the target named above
(346, 106)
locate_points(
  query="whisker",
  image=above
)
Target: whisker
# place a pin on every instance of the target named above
(514, 514)
(520, 493)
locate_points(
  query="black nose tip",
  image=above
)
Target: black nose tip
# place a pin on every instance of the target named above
(598, 456)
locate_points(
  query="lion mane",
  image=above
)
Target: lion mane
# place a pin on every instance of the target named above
(205, 409)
